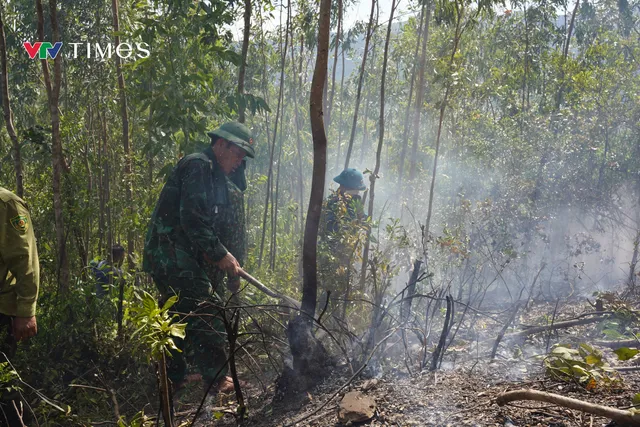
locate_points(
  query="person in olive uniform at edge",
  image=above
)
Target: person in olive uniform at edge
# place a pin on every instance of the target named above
(19, 283)
(197, 237)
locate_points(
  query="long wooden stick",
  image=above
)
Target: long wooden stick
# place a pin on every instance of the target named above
(273, 294)
(557, 325)
(625, 418)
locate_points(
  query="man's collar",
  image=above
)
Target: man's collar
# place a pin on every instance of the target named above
(211, 155)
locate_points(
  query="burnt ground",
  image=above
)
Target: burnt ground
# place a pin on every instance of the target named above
(462, 392)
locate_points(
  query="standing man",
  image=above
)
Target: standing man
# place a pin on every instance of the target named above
(340, 235)
(19, 283)
(195, 239)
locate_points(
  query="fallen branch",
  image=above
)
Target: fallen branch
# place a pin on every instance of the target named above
(627, 368)
(553, 327)
(621, 417)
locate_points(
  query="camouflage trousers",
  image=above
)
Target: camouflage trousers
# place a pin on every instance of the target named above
(203, 349)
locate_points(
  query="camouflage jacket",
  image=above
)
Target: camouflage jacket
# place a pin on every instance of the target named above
(342, 210)
(198, 219)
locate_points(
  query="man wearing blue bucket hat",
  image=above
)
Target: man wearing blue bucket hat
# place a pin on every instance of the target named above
(340, 234)
(345, 203)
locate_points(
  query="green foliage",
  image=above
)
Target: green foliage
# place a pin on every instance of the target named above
(154, 325)
(138, 420)
(8, 379)
(584, 366)
(626, 353)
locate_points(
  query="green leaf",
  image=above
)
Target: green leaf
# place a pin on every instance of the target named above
(626, 353)
(169, 303)
(636, 399)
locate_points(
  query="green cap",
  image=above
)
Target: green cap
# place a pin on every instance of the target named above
(351, 179)
(238, 134)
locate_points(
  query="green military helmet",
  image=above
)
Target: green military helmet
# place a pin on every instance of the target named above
(236, 133)
(351, 179)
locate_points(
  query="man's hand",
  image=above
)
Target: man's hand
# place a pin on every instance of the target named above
(233, 284)
(24, 327)
(229, 264)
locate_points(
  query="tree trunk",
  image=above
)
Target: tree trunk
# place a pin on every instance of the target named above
(57, 158)
(128, 170)
(419, 95)
(8, 115)
(456, 42)
(298, 143)
(309, 357)
(270, 177)
(341, 112)
(335, 63)
(360, 81)
(274, 216)
(373, 177)
(243, 61)
(408, 112)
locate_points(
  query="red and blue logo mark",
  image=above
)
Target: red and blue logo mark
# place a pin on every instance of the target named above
(42, 49)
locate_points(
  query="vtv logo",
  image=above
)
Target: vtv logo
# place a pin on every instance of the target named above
(42, 49)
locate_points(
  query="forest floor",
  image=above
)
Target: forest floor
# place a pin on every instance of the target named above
(462, 392)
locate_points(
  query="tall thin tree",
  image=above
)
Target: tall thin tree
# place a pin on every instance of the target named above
(126, 144)
(419, 94)
(408, 112)
(270, 176)
(338, 42)
(57, 156)
(243, 59)
(6, 106)
(374, 176)
(360, 81)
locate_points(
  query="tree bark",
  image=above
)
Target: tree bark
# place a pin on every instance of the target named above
(360, 81)
(335, 63)
(298, 143)
(243, 61)
(310, 359)
(8, 114)
(310, 279)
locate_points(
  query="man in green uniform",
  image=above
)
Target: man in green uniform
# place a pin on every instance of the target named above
(195, 239)
(19, 282)
(340, 233)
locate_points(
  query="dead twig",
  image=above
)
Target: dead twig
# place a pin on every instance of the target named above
(619, 416)
(436, 360)
(557, 325)
(503, 330)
